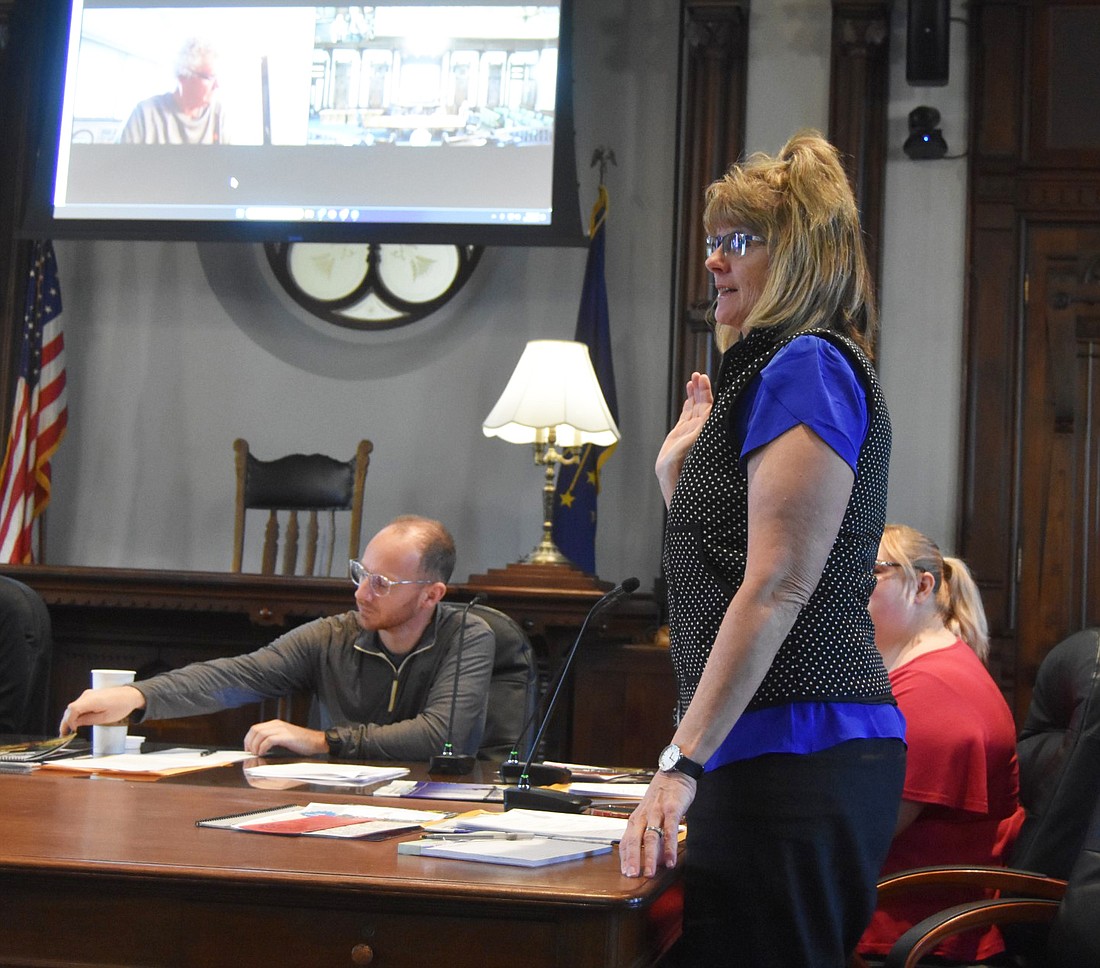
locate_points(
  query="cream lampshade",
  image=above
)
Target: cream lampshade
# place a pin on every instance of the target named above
(552, 400)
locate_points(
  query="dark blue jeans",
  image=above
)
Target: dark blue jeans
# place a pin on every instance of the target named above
(783, 853)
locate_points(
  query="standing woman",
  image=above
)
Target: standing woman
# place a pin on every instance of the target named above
(789, 747)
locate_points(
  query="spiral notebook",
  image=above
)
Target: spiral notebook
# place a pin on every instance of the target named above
(37, 750)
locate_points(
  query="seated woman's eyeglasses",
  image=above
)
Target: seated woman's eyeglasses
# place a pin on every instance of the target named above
(732, 243)
(379, 584)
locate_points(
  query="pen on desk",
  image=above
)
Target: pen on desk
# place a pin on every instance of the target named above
(208, 752)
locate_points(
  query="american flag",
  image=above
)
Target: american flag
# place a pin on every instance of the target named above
(39, 414)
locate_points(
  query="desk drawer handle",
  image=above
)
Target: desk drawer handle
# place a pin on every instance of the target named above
(362, 954)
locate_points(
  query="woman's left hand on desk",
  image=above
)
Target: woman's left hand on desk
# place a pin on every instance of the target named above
(651, 833)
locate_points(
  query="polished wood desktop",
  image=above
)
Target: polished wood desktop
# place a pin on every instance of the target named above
(115, 872)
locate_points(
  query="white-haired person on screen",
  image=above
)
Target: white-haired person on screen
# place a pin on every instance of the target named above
(190, 114)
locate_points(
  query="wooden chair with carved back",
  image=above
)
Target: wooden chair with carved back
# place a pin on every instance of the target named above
(312, 485)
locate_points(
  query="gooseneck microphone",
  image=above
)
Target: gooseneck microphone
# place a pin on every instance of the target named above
(450, 763)
(538, 774)
(522, 794)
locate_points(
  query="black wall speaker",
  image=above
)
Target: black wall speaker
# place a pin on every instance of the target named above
(927, 43)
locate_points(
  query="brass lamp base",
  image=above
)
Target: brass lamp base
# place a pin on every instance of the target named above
(546, 553)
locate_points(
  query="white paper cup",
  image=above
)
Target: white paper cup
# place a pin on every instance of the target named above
(111, 677)
(110, 739)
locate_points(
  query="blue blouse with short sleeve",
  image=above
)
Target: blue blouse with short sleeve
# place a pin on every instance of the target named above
(809, 381)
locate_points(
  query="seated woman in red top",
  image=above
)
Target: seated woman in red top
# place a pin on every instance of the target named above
(960, 802)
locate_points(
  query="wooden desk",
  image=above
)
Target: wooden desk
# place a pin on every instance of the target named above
(113, 872)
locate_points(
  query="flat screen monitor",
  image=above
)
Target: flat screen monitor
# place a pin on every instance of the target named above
(278, 120)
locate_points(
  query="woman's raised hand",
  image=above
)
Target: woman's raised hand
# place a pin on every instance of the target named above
(680, 439)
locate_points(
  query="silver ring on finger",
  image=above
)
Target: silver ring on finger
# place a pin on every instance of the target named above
(657, 830)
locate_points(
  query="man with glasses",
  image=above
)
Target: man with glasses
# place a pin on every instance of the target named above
(192, 113)
(384, 677)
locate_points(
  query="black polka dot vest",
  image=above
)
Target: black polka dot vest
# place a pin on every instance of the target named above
(829, 654)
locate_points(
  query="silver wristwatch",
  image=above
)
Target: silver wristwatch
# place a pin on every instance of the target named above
(672, 760)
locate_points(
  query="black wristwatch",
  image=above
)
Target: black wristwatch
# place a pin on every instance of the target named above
(334, 741)
(672, 760)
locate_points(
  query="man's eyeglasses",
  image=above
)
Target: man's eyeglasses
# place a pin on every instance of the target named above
(379, 584)
(732, 243)
(209, 78)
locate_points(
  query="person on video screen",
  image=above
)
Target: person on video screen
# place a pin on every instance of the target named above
(192, 114)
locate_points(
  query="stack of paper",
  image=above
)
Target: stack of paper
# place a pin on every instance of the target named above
(534, 852)
(610, 791)
(327, 774)
(546, 823)
(149, 766)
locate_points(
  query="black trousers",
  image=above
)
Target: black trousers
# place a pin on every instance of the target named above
(783, 854)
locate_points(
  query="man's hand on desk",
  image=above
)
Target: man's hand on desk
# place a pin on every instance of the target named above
(96, 707)
(262, 737)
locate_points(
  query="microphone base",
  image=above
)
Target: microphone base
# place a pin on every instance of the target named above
(538, 774)
(451, 764)
(555, 800)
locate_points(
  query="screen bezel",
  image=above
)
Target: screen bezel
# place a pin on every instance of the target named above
(38, 218)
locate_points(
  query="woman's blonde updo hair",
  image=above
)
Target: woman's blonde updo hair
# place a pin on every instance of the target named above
(802, 203)
(958, 600)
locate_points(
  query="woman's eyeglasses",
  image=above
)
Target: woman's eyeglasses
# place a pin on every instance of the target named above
(732, 243)
(379, 584)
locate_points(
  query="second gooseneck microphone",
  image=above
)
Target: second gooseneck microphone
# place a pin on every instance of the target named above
(523, 795)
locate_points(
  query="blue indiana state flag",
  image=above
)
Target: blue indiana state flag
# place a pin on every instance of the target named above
(579, 484)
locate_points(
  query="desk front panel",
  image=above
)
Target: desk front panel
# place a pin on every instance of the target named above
(69, 920)
(113, 872)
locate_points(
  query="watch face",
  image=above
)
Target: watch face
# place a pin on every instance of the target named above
(670, 756)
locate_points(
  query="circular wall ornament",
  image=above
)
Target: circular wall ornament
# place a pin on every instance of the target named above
(371, 285)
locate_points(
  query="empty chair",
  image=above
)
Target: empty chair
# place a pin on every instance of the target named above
(310, 484)
(26, 645)
(512, 688)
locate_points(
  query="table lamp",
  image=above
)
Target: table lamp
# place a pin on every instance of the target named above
(554, 402)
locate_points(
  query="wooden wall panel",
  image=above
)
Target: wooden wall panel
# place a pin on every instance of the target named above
(1022, 487)
(710, 127)
(859, 84)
